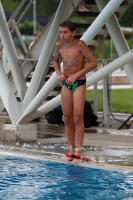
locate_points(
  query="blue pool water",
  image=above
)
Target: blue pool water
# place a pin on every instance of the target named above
(29, 178)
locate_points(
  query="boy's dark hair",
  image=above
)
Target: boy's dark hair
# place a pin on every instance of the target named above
(69, 25)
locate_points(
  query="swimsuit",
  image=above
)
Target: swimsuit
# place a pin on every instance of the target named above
(76, 84)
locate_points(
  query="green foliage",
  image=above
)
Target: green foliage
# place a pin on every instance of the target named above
(81, 21)
(121, 100)
(130, 42)
(90, 96)
(127, 19)
(27, 27)
(9, 6)
(78, 20)
(45, 8)
(27, 43)
(103, 50)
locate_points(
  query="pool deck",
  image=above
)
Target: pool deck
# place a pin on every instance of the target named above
(103, 146)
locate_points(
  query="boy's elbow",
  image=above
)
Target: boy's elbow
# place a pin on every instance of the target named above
(95, 64)
(55, 62)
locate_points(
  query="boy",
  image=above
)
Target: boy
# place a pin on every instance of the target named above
(73, 53)
(36, 35)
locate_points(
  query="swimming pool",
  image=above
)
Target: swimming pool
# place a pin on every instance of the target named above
(44, 179)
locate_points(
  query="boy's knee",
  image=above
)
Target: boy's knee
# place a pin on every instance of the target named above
(67, 120)
(78, 119)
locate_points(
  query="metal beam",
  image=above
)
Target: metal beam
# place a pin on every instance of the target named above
(100, 21)
(12, 55)
(8, 97)
(111, 67)
(19, 36)
(118, 39)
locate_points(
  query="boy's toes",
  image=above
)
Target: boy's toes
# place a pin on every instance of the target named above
(77, 160)
(65, 158)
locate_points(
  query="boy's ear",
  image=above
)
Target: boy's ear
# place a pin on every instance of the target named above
(74, 33)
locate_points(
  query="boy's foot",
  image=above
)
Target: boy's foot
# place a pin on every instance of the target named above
(75, 160)
(65, 158)
(83, 9)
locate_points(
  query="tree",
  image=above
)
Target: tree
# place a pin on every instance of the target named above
(127, 19)
(44, 8)
(9, 6)
(27, 27)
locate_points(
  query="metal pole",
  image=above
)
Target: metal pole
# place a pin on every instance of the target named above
(102, 18)
(56, 101)
(34, 16)
(111, 67)
(8, 97)
(105, 98)
(111, 57)
(19, 36)
(12, 55)
(95, 96)
(118, 39)
(17, 10)
(41, 95)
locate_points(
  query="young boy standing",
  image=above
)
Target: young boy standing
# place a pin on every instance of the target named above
(73, 53)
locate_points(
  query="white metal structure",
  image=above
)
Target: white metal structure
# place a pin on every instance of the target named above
(32, 97)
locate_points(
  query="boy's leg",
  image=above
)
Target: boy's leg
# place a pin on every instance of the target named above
(78, 110)
(67, 107)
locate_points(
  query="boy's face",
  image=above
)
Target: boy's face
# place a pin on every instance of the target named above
(66, 34)
(36, 35)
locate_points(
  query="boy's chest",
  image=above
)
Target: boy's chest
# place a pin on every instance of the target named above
(69, 53)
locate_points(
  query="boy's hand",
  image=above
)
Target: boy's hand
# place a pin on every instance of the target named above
(71, 80)
(61, 78)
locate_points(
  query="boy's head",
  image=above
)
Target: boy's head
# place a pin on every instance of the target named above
(36, 34)
(69, 25)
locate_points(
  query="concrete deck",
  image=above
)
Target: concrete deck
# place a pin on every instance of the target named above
(103, 146)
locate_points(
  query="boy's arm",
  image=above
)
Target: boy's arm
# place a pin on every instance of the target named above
(56, 63)
(88, 56)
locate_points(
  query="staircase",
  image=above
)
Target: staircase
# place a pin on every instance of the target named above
(31, 57)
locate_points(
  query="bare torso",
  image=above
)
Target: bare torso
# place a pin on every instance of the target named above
(73, 59)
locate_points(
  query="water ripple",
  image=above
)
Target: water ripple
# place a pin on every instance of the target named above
(28, 178)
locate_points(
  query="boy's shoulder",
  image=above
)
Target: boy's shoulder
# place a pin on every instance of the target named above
(81, 42)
